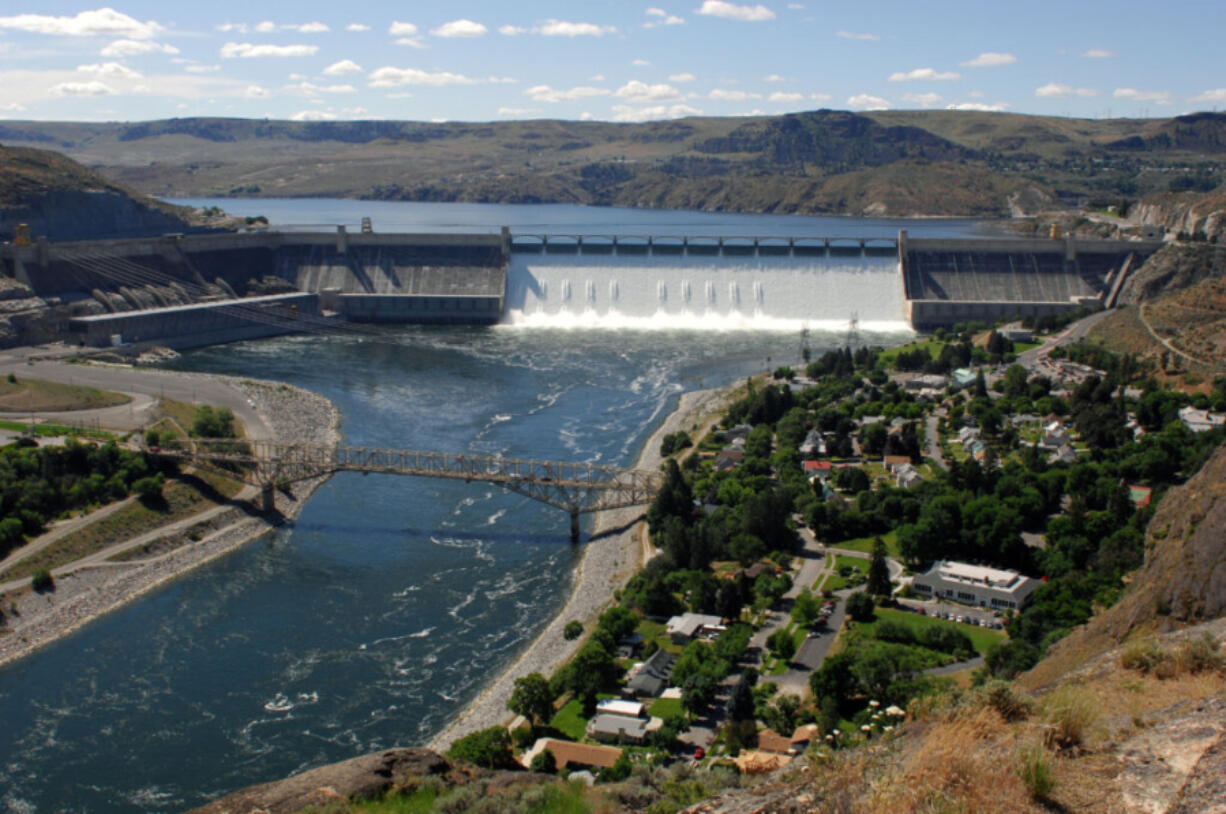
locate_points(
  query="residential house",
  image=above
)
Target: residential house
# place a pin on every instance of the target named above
(1064, 455)
(740, 431)
(569, 755)
(907, 476)
(1200, 420)
(813, 444)
(648, 679)
(968, 434)
(771, 741)
(612, 722)
(962, 377)
(817, 469)
(728, 460)
(892, 462)
(685, 627)
(1140, 495)
(1054, 436)
(976, 585)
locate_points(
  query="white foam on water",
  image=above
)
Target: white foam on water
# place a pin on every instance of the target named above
(737, 293)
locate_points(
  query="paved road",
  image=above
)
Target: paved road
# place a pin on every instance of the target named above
(956, 667)
(1073, 333)
(141, 382)
(932, 440)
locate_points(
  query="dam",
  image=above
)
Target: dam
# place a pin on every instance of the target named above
(193, 290)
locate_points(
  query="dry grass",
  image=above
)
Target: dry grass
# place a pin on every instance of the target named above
(1071, 712)
(35, 395)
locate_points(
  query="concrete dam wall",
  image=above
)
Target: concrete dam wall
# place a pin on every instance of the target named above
(184, 290)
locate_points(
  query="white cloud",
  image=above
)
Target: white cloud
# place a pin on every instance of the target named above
(731, 11)
(924, 75)
(94, 88)
(864, 101)
(1217, 95)
(1057, 89)
(820, 97)
(596, 78)
(399, 29)
(636, 91)
(989, 59)
(311, 89)
(266, 27)
(388, 77)
(103, 22)
(307, 28)
(796, 6)
(923, 99)
(780, 96)
(1098, 53)
(849, 35)
(501, 80)
(240, 28)
(357, 27)
(511, 30)
(585, 116)
(975, 94)
(248, 50)
(129, 48)
(626, 113)
(544, 93)
(516, 112)
(1158, 96)
(12, 107)
(721, 95)
(774, 78)
(412, 42)
(562, 28)
(979, 106)
(110, 69)
(256, 92)
(460, 28)
(662, 18)
(685, 76)
(343, 67)
(312, 116)
(296, 77)
(202, 68)
(639, 63)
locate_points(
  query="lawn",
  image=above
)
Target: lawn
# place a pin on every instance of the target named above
(1022, 347)
(865, 544)
(21, 395)
(933, 347)
(777, 667)
(842, 561)
(665, 708)
(52, 430)
(981, 638)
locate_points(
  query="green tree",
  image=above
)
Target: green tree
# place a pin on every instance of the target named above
(572, 630)
(618, 622)
(589, 672)
(740, 703)
(532, 698)
(1007, 659)
(860, 607)
(879, 571)
(489, 749)
(782, 644)
(42, 582)
(544, 762)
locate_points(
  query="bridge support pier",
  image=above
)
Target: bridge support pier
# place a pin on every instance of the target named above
(574, 525)
(268, 497)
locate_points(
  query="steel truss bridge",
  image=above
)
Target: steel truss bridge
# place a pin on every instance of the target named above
(576, 488)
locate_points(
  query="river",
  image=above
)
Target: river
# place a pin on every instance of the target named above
(391, 601)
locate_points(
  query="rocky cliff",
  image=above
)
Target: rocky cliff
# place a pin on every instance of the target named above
(1173, 268)
(1186, 213)
(59, 198)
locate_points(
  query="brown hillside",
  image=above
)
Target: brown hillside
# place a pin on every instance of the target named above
(1182, 582)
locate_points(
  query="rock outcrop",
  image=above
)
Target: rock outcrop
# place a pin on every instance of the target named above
(1172, 268)
(1185, 212)
(364, 777)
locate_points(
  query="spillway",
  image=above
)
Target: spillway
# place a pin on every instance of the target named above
(707, 293)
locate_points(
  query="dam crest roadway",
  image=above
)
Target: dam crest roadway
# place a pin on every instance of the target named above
(576, 488)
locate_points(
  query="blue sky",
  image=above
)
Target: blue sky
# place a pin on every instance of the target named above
(613, 60)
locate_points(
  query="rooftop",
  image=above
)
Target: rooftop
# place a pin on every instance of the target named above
(575, 754)
(977, 575)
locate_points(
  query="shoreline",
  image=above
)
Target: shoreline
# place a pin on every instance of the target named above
(615, 551)
(89, 591)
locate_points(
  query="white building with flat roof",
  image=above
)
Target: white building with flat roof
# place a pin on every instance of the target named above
(976, 585)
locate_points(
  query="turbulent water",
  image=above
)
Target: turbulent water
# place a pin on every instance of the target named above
(392, 601)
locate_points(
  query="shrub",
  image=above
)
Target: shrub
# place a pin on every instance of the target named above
(152, 438)
(1198, 655)
(573, 630)
(523, 736)
(617, 772)
(544, 762)
(1000, 696)
(782, 644)
(42, 581)
(149, 489)
(1035, 771)
(1071, 711)
(1141, 654)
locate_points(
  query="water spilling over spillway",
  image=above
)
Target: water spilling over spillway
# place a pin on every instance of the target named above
(710, 293)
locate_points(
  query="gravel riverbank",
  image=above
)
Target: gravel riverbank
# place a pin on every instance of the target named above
(617, 549)
(88, 590)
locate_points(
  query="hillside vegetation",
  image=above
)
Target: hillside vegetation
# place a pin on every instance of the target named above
(885, 163)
